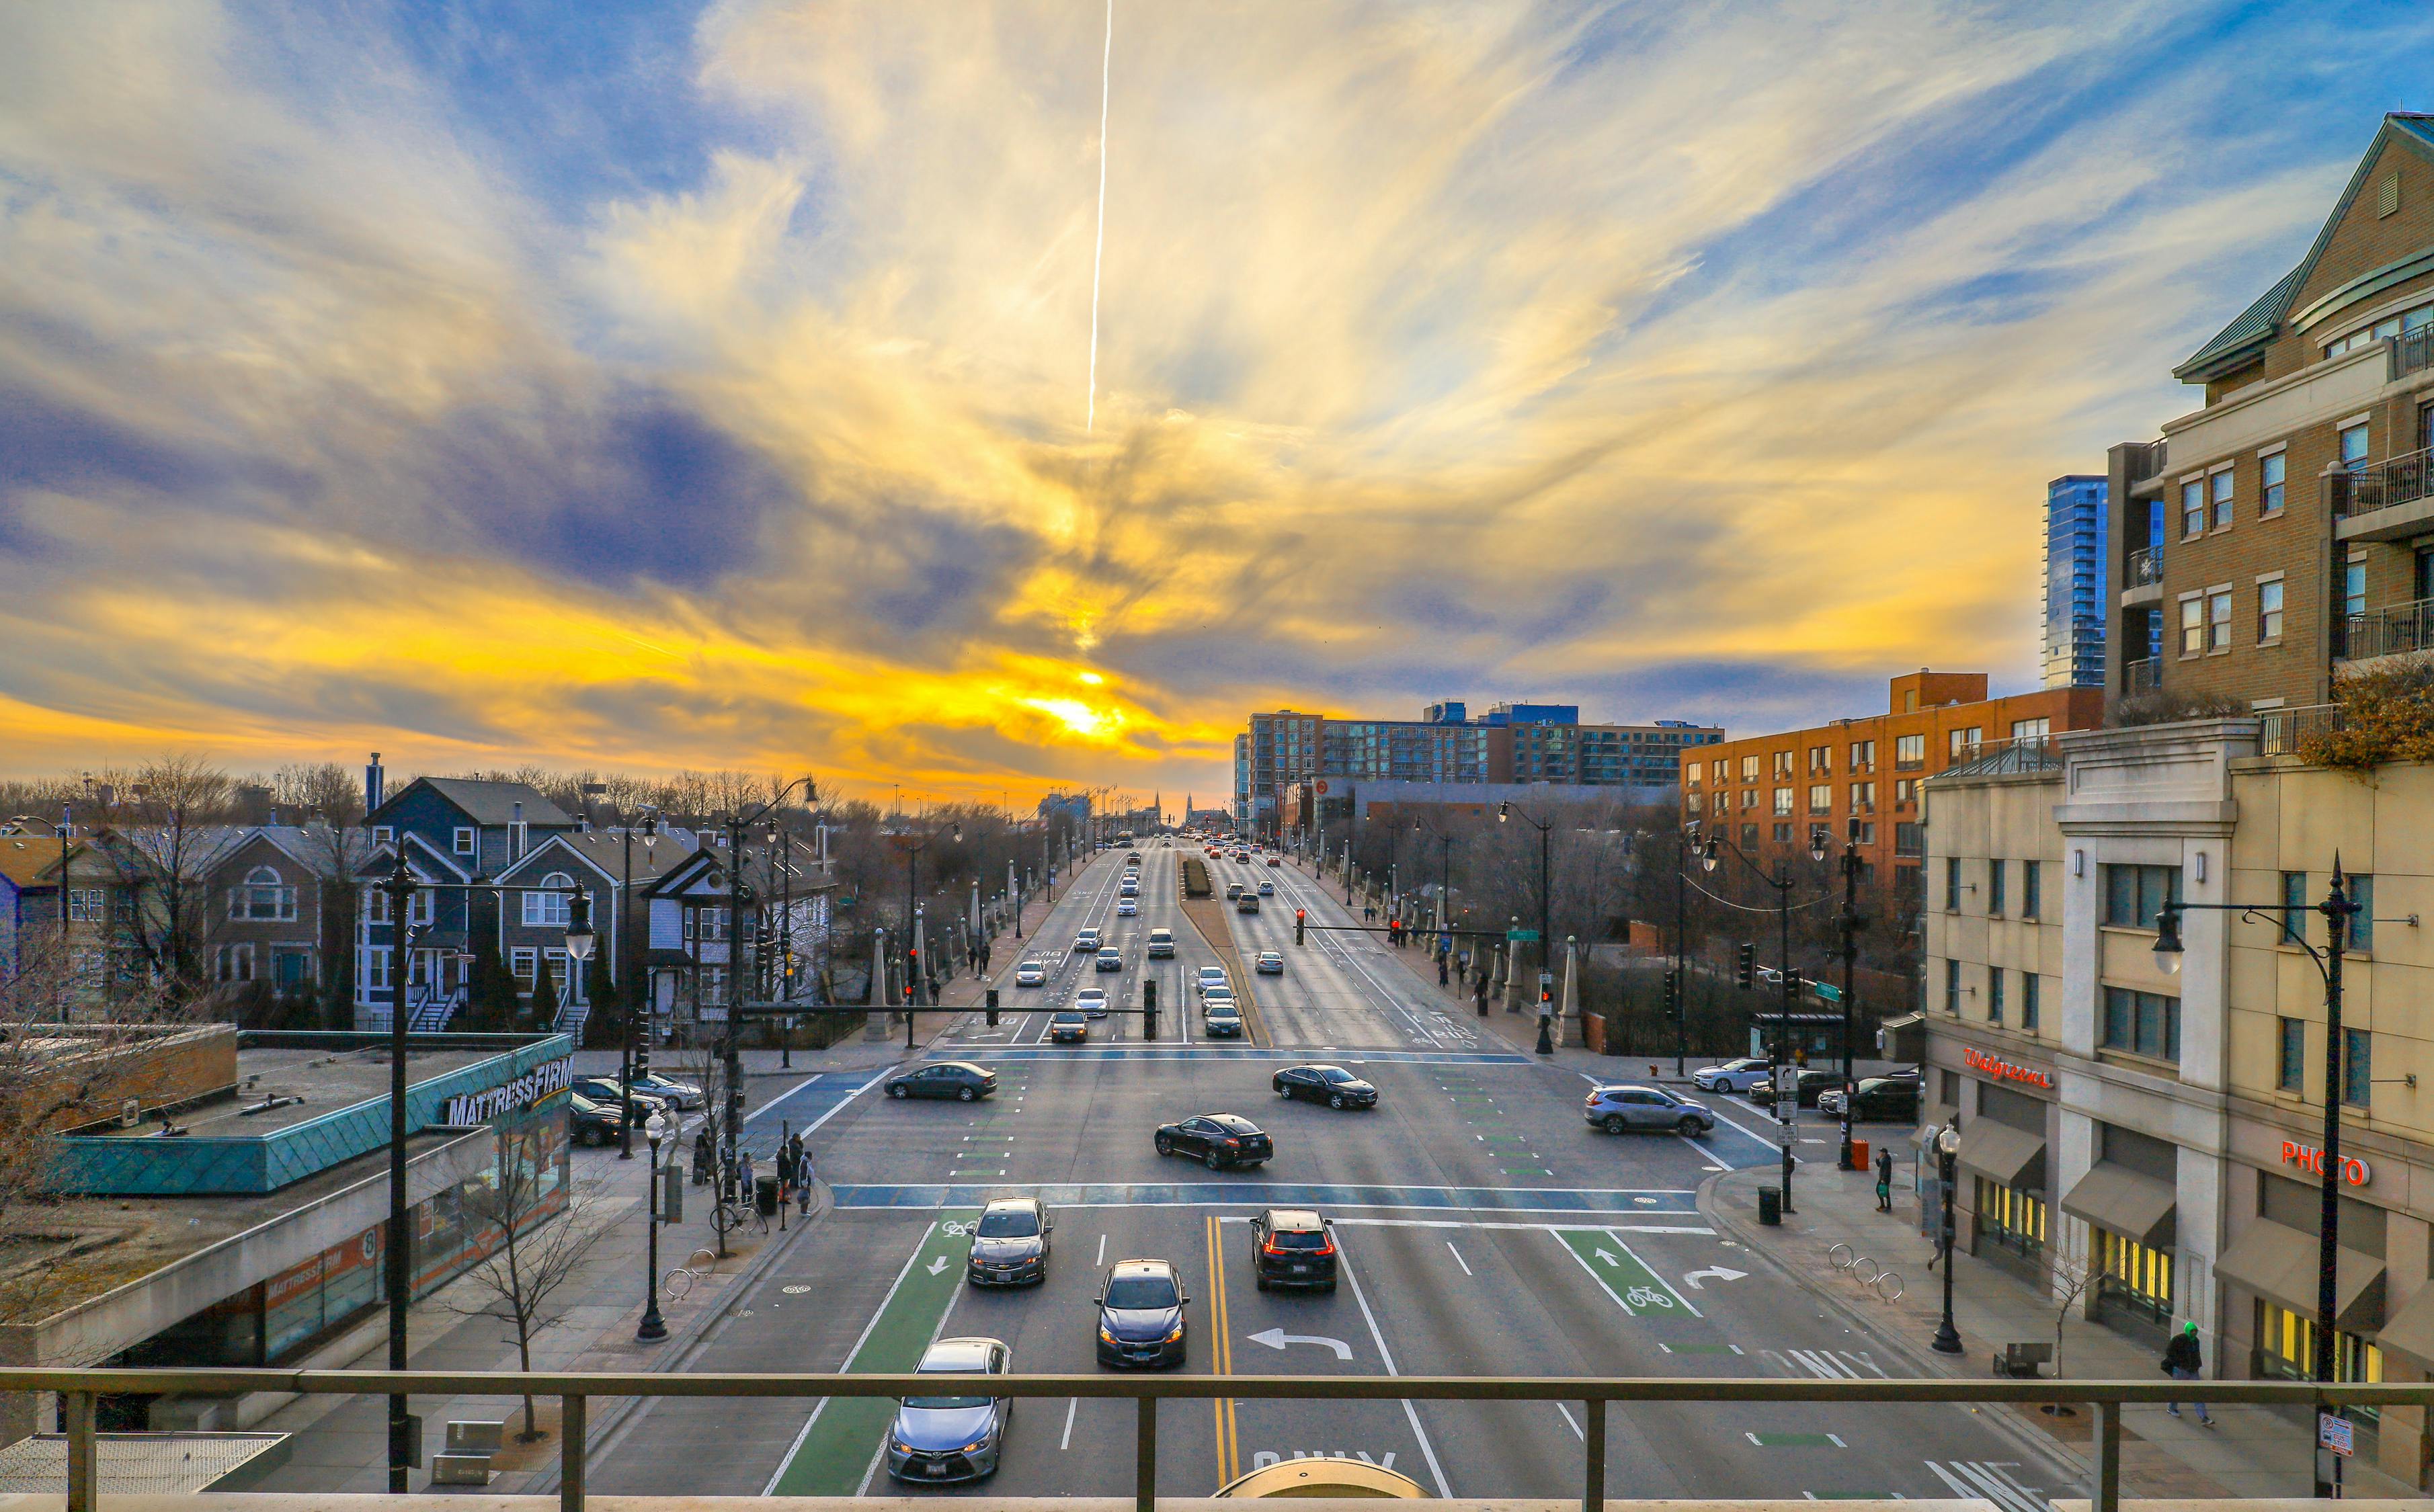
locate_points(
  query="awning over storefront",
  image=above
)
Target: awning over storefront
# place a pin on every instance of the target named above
(2002, 1154)
(2133, 1206)
(2279, 1264)
(2412, 1328)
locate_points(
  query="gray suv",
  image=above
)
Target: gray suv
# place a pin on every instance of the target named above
(1619, 1110)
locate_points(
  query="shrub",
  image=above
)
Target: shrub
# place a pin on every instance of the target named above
(2167, 705)
(2386, 715)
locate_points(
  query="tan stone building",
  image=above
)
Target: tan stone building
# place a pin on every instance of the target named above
(2285, 531)
(2163, 1130)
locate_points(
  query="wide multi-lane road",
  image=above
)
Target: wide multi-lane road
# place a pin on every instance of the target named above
(1484, 1229)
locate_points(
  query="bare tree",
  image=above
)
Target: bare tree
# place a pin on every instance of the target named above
(323, 790)
(535, 1231)
(2069, 1277)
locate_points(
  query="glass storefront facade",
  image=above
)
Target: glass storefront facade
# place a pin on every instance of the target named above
(2285, 1347)
(2135, 1277)
(2011, 1217)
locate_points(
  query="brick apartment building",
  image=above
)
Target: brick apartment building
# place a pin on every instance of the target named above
(2284, 532)
(1768, 792)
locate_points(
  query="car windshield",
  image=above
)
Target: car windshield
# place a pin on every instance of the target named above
(1139, 1293)
(1009, 1223)
(945, 1403)
(582, 1104)
(1298, 1239)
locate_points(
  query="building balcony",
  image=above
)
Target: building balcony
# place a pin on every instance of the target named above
(2279, 731)
(2142, 576)
(2397, 630)
(2144, 676)
(2383, 500)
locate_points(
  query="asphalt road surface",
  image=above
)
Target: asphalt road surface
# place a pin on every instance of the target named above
(1484, 1229)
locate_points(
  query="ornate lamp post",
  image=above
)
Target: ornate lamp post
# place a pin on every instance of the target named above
(653, 1327)
(628, 1067)
(1947, 1151)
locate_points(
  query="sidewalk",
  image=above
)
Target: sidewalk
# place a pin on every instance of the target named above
(2258, 1451)
(340, 1442)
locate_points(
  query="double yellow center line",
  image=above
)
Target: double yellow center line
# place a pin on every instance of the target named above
(1221, 1353)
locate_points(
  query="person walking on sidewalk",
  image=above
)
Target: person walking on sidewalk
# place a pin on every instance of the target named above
(803, 1176)
(2182, 1362)
(1884, 1181)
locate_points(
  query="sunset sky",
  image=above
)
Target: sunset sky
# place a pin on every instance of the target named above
(654, 385)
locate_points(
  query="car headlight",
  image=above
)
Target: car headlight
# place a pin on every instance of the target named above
(1176, 1335)
(975, 1446)
(1107, 1338)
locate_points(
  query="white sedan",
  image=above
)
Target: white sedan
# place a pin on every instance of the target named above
(1030, 973)
(1733, 1075)
(1127, 908)
(1092, 1000)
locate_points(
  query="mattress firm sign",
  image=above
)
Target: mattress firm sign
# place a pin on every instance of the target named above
(471, 1108)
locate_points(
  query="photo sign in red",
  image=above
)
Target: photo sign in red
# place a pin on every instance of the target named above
(2002, 1070)
(2312, 1159)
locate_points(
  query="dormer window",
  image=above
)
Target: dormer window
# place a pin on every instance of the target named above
(264, 897)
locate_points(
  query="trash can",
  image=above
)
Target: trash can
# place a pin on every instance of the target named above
(765, 1195)
(1770, 1205)
(1858, 1154)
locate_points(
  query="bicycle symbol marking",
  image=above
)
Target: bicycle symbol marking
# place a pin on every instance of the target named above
(1647, 1297)
(956, 1229)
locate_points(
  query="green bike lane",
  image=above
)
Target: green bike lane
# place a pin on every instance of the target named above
(840, 1442)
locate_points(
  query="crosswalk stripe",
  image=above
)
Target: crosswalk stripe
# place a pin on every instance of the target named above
(1971, 1478)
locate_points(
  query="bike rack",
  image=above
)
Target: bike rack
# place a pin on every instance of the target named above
(1884, 1284)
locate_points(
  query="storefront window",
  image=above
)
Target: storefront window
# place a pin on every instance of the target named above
(2133, 1275)
(2285, 1347)
(2011, 1217)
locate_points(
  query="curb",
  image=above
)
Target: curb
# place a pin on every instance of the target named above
(1922, 1364)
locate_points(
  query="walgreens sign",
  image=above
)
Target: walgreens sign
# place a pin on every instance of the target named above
(2002, 1070)
(2312, 1159)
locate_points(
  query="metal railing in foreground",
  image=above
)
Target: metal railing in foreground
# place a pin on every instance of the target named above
(2106, 1398)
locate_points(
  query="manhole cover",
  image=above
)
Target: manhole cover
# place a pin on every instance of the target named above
(793, 1291)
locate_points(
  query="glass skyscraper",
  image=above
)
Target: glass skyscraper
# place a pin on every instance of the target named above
(2075, 581)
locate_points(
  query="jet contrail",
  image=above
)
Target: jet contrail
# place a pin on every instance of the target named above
(1099, 248)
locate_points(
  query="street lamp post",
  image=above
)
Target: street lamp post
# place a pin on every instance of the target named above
(653, 1327)
(2338, 908)
(1687, 836)
(731, 1052)
(1947, 1151)
(1546, 939)
(400, 887)
(625, 1070)
(1848, 922)
(914, 941)
(1780, 880)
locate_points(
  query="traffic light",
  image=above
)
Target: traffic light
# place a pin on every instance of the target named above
(1149, 1008)
(1673, 992)
(993, 1007)
(1748, 976)
(1299, 915)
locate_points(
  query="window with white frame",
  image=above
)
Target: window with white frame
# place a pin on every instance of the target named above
(548, 910)
(2218, 489)
(383, 834)
(2035, 729)
(375, 958)
(466, 839)
(2193, 507)
(88, 905)
(2218, 619)
(2269, 611)
(2353, 438)
(375, 906)
(236, 964)
(264, 897)
(524, 960)
(2272, 471)
(1782, 802)
(421, 908)
(2193, 625)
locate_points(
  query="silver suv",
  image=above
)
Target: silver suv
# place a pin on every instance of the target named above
(1619, 1110)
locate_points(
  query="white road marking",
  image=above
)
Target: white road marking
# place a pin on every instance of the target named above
(847, 1098)
(1651, 1270)
(1569, 1421)
(1458, 1260)
(821, 1406)
(1066, 1440)
(1103, 1249)
(1277, 1339)
(1428, 1451)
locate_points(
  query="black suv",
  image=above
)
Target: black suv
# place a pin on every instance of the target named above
(1010, 1244)
(1293, 1247)
(1140, 1313)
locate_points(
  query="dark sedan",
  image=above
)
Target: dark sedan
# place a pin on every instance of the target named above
(592, 1123)
(1813, 1084)
(959, 1080)
(1140, 1313)
(605, 1089)
(1216, 1139)
(1888, 1098)
(1293, 1247)
(1329, 1085)
(1010, 1244)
